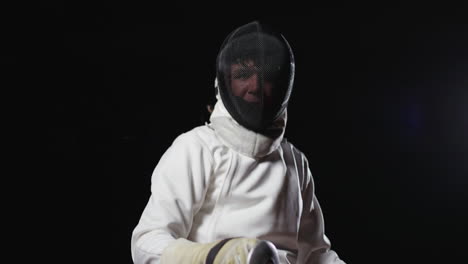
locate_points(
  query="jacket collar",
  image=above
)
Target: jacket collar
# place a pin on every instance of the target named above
(243, 140)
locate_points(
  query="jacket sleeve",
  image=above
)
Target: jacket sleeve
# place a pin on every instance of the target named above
(178, 188)
(313, 244)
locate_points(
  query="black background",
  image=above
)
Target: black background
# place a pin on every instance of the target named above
(379, 108)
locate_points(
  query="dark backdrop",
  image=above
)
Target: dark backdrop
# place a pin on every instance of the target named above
(379, 107)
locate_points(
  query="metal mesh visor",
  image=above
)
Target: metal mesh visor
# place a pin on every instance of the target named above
(255, 72)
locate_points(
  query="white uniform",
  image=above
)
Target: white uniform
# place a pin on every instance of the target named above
(221, 180)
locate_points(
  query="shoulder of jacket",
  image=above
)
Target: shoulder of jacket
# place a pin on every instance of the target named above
(298, 154)
(300, 162)
(201, 135)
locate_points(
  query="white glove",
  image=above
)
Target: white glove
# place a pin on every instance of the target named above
(228, 251)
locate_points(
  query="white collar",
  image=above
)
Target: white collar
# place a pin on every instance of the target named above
(243, 140)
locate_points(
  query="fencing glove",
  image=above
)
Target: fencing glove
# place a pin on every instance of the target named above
(227, 251)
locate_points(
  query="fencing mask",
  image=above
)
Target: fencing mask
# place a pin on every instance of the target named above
(255, 73)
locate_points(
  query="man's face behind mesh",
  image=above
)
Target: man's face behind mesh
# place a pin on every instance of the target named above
(247, 83)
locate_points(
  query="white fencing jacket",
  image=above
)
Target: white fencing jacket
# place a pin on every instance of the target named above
(220, 181)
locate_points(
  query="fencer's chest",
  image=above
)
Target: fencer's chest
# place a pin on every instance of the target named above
(256, 195)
